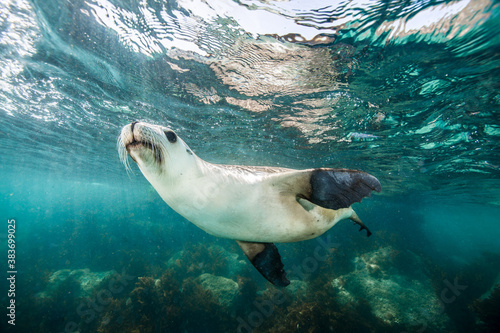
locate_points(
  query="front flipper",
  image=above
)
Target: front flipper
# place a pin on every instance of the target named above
(266, 258)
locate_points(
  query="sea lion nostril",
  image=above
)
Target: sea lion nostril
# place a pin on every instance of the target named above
(132, 125)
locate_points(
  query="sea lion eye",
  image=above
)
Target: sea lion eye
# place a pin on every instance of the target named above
(171, 137)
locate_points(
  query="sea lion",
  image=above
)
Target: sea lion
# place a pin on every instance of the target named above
(256, 206)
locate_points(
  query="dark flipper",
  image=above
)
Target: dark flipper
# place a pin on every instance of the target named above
(354, 217)
(266, 258)
(340, 188)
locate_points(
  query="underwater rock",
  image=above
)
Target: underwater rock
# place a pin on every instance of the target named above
(297, 288)
(488, 311)
(396, 294)
(212, 259)
(494, 286)
(224, 289)
(235, 264)
(174, 260)
(84, 280)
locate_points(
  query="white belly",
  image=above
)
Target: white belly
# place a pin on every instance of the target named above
(249, 211)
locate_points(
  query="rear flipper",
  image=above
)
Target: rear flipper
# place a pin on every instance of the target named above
(266, 258)
(357, 220)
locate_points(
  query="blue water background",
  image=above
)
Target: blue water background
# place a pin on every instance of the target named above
(417, 108)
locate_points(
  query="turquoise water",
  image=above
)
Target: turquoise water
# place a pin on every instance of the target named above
(407, 91)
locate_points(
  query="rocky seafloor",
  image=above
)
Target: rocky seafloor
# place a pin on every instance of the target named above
(208, 288)
(135, 277)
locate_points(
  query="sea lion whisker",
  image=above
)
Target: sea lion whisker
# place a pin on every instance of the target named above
(122, 152)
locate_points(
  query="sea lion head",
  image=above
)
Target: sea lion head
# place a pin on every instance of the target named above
(157, 150)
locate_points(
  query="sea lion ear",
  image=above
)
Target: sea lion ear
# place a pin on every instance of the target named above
(340, 188)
